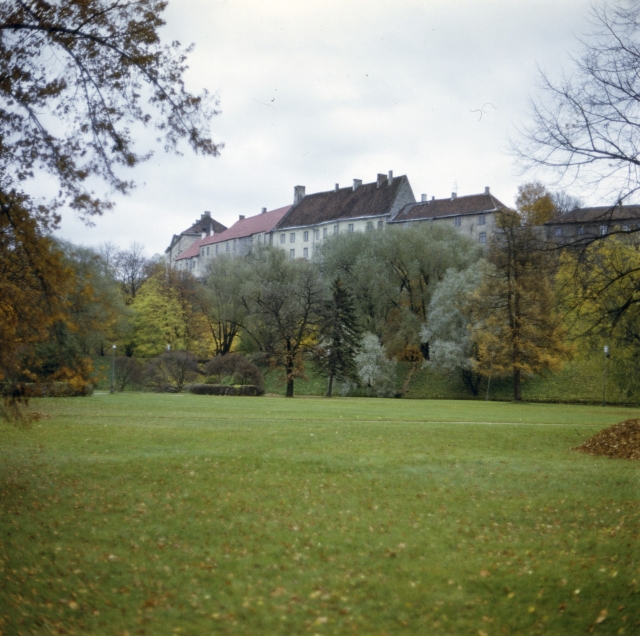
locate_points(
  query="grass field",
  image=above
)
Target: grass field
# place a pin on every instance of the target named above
(179, 514)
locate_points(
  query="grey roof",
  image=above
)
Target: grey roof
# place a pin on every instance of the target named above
(460, 206)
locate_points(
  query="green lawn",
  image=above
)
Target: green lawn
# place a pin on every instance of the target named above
(180, 514)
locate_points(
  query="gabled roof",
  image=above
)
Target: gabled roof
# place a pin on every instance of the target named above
(204, 224)
(244, 228)
(240, 229)
(460, 206)
(602, 213)
(368, 200)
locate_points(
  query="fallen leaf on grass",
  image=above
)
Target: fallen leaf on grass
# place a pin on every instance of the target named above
(601, 617)
(279, 591)
(485, 573)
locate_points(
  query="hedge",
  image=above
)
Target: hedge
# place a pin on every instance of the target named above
(50, 389)
(225, 389)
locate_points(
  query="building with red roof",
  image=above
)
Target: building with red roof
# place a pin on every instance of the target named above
(238, 240)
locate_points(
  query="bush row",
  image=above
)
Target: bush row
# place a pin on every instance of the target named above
(225, 389)
(50, 389)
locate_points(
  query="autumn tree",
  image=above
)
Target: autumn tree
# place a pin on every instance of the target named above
(168, 313)
(339, 333)
(76, 79)
(599, 288)
(514, 323)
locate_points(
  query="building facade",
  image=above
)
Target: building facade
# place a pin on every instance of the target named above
(205, 226)
(584, 224)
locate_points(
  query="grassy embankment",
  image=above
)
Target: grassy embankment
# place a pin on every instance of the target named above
(179, 514)
(579, 382)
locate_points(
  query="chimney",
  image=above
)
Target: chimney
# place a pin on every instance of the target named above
(454, 195)
(433, 198)
(206, 215)
(264, 211)
(486, 190)
(356, 184)
(423, 198)
(380, 179)
(390, 178)
(241, 217)
(337, 186)
(298, 194)
(204, 233)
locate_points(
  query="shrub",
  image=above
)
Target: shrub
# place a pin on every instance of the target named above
(238, 367)
(225, 389)
(49, 389)
(128, 372)
(172, 371)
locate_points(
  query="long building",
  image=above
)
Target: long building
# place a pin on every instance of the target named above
(301, 228)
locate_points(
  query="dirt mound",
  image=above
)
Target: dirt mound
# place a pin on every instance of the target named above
(620, 440)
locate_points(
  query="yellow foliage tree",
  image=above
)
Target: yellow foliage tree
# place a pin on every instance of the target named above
(599, 288)
(515, 325)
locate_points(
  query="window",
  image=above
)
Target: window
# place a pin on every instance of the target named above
(405, 224)
(335, 229)
(603, 230)
(283, 238)
(350, 227)
(259, 239)
(369, 226)
(317, 235)
(305, 236)
(457, 222)
(305, 252)
(235, 245)
(207, 250)
(482, 237)
(216, 249)
(325, 232)
(380, 224)
(292, 253)
(227, 246)
(626, 227)
(292, 237)
(558, 231)
(580, 230)
(482, 219)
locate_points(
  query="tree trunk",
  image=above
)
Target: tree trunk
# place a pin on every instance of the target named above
(517, 396)
(330, 387)
(289, 378)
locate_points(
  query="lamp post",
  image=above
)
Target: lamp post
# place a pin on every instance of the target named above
(604, 379)
(113, 366)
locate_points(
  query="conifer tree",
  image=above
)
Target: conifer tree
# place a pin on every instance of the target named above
(340, 337)
(515, 325)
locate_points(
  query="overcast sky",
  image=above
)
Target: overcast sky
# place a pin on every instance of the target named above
(315, 93)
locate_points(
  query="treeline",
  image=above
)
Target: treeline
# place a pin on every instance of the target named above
(424, 294)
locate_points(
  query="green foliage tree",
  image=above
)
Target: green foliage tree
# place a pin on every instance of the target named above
(375, 370)
(448, 334)
(221, 303)
(284, 298)
(339, 334)
(392, 275)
